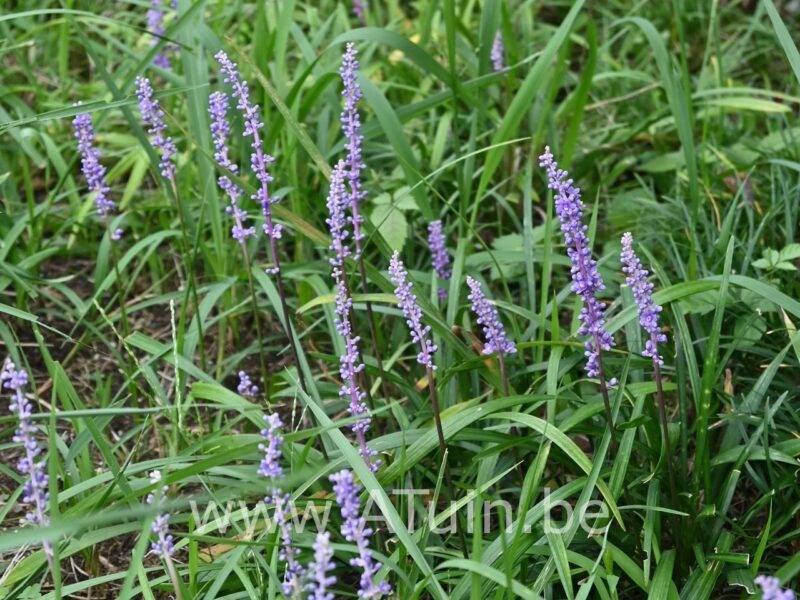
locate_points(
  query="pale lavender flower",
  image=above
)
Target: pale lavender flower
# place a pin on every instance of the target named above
(359, 10)
(771, 588)
(258, 158)
(220, 131)
(163, 546)
(350, 361)
(155, 25)
(586, 280)
(93, 170)
(354, 529)
(270, 466)
(319, 568)
(440, 257)
(487, 315)
(351, 125)
(636, 278)
(497, 52)
(34, 491)
(412, 311)
(271, 469)
(246, 386)
(153, 117)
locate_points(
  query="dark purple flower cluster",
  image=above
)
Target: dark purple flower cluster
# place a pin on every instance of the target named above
(93, 170)
(350, 362)
(355, 530)
(259, 160)
(586, 280)
(487, 316)
(34, 491)
(412, 311)
(636, 278)
(351, 124)
(220, 131)
(440, 257)
(153, 117)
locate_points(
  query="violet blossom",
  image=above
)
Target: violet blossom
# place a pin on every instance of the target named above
(354, 529)
(440, 257)
(258, 158)
(497, 52)
(220, 131)
(408, 304)
(636, 278)
(359, 10)
(155, 25)
(246, 386)
(771, 588)
(586, 280)
(153, 117)
(487, 316)
(163, 546)
(271, 469)
(350, 361)
(34, 491)
(319, 568)
(93, 170)
(351, 125)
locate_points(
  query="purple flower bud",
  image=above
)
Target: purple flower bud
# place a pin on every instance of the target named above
(258, 158)
(497, 52)
(487, 315)
(34, 491)
(441, 259)
(771, 588)
(586, 280)
(163, 545)
(355, 530)
(351, 124)
(412, 311)
(636, 278)
(153, 117)
(319, 567)
(220, 131)
(94, 172)
(350, 361)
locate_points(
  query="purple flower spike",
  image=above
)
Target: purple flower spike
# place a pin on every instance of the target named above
(155, 25)
(586, 281)
(636, 278)
(270, 466)
(153, 117)
(163, 546)
(497, 52)
(771, 588)
(94, 172)
(271, 469)
(354, 529)
(351, 124)
(246, 386)
(412, 312)
(220, 131)
(441, 259)
(34, 492)
(319, 567)
(360, 9)
(258, 159)
(350, 361)
(492, 326)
